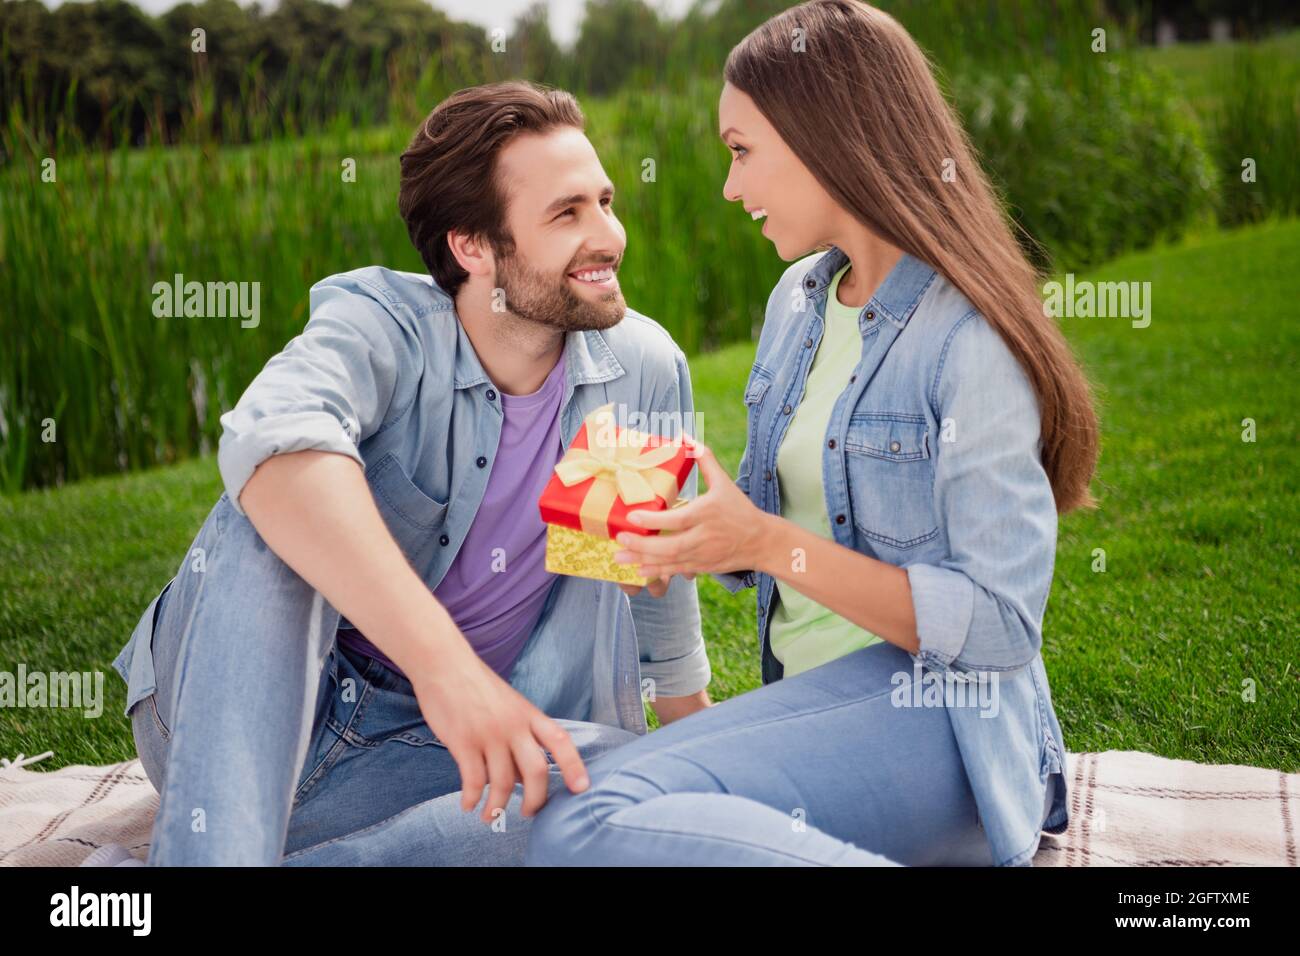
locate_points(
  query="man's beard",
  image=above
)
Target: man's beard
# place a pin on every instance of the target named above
(551, 301)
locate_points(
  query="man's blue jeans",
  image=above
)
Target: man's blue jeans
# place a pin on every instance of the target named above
(816, 769)
(267, 750)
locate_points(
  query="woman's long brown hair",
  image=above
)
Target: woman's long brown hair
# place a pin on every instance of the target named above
(860, 107)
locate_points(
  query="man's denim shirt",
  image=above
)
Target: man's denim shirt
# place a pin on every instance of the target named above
(384, 373)
(931, 463)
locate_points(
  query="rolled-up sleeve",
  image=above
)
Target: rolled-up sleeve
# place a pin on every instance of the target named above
(671, 640)
(669, 635)
(981, 608)
(329, 388)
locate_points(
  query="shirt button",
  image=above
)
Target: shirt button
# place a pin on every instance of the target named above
(787, 410)
(809, 283)
(894, 446)
(870, 315)
(491, 395)
(807, 343)
(839, 519)
(444, 540)
(853, 378)
(767, 474)
(481, 461)
(831, 443)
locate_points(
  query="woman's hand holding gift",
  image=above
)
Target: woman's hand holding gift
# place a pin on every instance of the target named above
(720, 531)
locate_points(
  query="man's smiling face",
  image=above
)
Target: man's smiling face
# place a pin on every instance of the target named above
(562, 268)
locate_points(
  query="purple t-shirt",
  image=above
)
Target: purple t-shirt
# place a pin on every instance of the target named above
(495, 588)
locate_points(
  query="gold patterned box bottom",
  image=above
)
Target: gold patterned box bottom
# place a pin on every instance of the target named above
(570, 551)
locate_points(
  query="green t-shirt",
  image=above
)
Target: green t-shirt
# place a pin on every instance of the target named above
(803, 633)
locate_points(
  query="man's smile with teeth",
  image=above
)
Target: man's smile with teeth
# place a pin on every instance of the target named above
(594, 276)
(758, 213)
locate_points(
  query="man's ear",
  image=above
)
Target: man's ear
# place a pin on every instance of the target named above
(473, 253)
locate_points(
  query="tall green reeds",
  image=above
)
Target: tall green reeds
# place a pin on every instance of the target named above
(1255, 131)
(1090, 149)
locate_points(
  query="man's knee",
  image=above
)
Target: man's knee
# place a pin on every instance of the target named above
(233, 584)
(551, 831)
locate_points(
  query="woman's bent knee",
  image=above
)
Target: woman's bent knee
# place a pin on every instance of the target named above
(568, 828)
(557, 831)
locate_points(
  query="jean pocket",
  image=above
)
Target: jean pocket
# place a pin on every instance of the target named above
(417, 738)
(891, 478)
(151, 744)
(391, 712)
(152, 701)
(330, 726)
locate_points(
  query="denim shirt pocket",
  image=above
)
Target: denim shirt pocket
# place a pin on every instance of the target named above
(411, 515)
(891, 478)
(760, 380)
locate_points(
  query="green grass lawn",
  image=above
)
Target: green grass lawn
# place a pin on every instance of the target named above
(1198, 529)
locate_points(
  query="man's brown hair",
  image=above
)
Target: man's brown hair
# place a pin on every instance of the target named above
(449, 169)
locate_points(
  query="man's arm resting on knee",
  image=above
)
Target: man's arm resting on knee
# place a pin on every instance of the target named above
(289, 458)
(315, 511)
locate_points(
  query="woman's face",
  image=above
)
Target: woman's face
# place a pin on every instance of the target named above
(766, 175)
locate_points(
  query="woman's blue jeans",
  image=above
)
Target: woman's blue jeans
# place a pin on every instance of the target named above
(816, 769)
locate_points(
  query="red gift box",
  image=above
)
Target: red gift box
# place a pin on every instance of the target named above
(623, 471)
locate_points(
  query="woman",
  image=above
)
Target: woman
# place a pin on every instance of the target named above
(915, 425)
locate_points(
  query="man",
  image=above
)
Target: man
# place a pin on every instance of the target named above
(364, 624)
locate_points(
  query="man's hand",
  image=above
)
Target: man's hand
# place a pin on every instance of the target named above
(494, 734)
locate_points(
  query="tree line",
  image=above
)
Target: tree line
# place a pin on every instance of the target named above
(106, 73)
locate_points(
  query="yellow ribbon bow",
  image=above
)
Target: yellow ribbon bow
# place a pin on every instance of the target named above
(622, 466)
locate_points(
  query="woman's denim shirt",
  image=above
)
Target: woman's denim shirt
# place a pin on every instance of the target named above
(932, 463)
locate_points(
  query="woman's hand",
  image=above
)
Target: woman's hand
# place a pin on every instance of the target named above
(719, 531)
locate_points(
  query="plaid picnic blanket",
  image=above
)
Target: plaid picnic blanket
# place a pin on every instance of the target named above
(1129, 808)
(60, 817)
(1126, 809)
